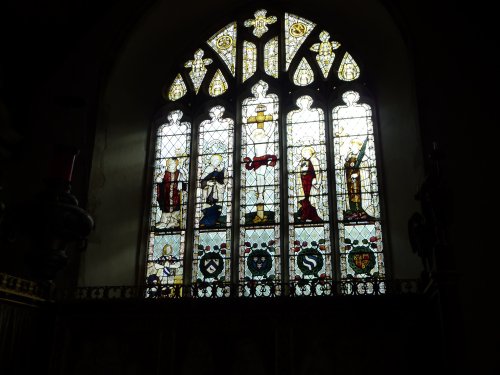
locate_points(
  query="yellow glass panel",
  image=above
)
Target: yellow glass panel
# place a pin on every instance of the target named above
(297, 29)
(249, 59)
(271, 66)
(325, 55)
(218, 86)
(198, 69)
(348, 70)
(303, 75)
(224, 43)
(177, 89)
(260, 22)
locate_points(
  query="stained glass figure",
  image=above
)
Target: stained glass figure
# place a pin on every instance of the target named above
(260, 22)
(249, 60)
(172, 171)
(224, 43)
(325, 55)
(357, 188)
(198, 69)
(307, 228)
(260, 151)
(169, 201)
(218, 85)
(308, 196)
(260, 182)
(177, 89)
(271, 56)
(348, 70)
(213, 203)
(215, 170)
(297, 29)
(304, 75)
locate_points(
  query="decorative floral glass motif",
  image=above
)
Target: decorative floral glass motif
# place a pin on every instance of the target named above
(224, 43)
(304, 224)
(198, 68)
(325, 54)
(169, 204)
(260, 22)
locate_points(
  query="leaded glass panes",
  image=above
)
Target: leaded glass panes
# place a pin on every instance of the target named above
(297, 29)
(198, 68)
(358, 205)
(169, 203)
(271, 56)
(218, 85)
(260, 22)
(304, 75)
(260, 185)
(348, 70)
(327, 189)
(249, 60)
(308, 215)
(177, 89)
(325, 55)
(224, 43)
(212, 250)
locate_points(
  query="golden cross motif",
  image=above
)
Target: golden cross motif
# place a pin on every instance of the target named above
(260, 118)
(260, 22)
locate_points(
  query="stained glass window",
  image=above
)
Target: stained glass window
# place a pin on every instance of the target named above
(358, 202)
(349, 70)
(304, 74)
(309, 230)
(218, 85)
(271, 66)
(249, 59)
(260, 189)
(213, 203)
(297, 29)
(224, 43)
(325, 54)
(198, 68)
(177, 89)
(283, 200)
(260, 22)
(169, 202)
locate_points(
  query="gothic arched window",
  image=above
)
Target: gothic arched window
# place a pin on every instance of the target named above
(265, 168)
